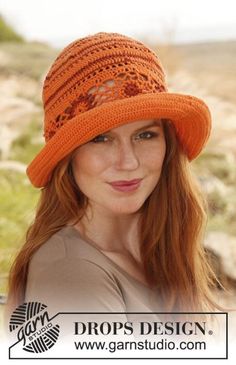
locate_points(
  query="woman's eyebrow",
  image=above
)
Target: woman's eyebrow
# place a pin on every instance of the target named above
(156, 123)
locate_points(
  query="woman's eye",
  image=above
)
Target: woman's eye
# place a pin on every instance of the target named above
(99, 138)
(151, 134)
(143, 135)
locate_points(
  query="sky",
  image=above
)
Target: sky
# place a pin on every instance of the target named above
(58, 22)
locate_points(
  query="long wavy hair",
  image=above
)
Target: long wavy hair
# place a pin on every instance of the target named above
(172, 231)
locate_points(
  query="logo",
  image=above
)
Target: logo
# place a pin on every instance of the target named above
(34, 328)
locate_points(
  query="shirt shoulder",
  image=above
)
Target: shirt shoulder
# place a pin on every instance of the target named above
(76, 283)
(67, 244)
(65, 275)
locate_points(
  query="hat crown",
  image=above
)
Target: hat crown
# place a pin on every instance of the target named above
(94, 70)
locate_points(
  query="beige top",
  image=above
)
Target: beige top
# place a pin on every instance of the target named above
(69, 274)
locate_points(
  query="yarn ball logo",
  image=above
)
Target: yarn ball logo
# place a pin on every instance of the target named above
(34, 328)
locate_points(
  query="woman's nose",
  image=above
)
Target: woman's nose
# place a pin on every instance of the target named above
(126, 156)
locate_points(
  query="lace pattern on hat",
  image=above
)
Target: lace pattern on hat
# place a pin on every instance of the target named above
(119, 85)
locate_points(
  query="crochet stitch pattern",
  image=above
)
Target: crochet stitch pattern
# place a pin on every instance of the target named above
(102, 81)
(116, 77)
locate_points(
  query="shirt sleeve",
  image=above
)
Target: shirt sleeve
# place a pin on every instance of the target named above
(74, 285)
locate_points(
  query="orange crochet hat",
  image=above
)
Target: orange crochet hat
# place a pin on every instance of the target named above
(102, 81)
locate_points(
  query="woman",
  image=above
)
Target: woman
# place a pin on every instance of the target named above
(101, 241)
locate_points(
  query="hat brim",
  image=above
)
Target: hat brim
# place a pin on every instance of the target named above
(189, 114)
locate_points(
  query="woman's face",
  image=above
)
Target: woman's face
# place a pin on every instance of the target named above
(132, 151)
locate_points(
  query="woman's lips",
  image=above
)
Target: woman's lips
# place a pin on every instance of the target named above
(126, 186)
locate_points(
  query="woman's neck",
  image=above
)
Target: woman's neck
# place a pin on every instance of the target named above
(117, 234)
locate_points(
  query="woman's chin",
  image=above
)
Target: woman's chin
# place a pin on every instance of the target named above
(126, 209)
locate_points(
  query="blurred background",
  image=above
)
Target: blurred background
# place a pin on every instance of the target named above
(196, 42)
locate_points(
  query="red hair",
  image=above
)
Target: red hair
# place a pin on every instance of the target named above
(172, 230)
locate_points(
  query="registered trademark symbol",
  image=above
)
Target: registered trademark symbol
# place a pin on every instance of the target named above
(210, 332)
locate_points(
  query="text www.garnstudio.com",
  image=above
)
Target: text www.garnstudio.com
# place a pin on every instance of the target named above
(113, 346)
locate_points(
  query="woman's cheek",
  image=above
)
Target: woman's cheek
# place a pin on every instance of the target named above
(98, 161)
